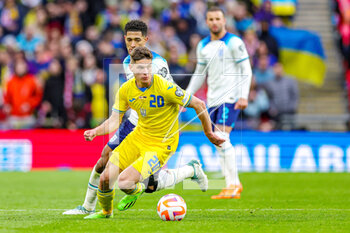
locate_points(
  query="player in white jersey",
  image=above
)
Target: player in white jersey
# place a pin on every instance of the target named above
(135, 36)
(222, 56)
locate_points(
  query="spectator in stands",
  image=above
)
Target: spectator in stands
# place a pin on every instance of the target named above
(283, 95)
(28, 41)
(37, 18)
(147, 17)
(77, 96)
(268, 39)
(264, 51)
(73, 23)
(243, 20)
(192, 54)
(92, 35)
(66, 49)
(155, 43)
(263, 72)
(52, 112)
(258, 105)
(344, 27)
(197, 11)
(178, 72)
(106, 50)
(41, 60)
(11, 17)
(57, 15)
(23, 94)
(83, 48)
(99, 105)
(172, 13)
(251, 42)
(171, 39)
(89, 70)
(132, 8)
(5, 68)
(265, 13)
(184, 30)
(82, 8)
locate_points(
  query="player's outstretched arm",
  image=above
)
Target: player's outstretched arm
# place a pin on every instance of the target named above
(108, 126)
(203, 116)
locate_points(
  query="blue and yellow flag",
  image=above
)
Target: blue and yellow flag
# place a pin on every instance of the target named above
(301, 54)
(280, 7)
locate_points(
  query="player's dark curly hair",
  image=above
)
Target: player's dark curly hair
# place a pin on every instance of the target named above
(140, 53)
(136, 26)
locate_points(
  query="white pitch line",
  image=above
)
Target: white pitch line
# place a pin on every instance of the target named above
(191, 210)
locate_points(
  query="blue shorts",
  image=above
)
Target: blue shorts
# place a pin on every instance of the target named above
(124, 129)
(225, 114)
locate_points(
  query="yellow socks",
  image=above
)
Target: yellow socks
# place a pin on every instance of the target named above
(105, 199)
(140, 187)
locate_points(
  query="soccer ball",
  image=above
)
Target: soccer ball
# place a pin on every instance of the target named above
(171, 207)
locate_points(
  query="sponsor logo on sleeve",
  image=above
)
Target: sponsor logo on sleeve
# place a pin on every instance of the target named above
(179, 92)
(163, 72)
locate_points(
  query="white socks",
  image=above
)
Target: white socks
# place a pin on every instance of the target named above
(169, 177)
(91, 193)
(228, 160)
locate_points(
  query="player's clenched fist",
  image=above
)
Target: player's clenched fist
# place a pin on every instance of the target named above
(241, 104)
(89, 135)
(213, 138)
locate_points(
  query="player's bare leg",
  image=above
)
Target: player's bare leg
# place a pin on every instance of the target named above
(228, 165)
(106, 191)
(166, 179)
(91, 193)
(129, 183)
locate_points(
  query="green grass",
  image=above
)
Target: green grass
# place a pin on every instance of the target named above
(271, 202)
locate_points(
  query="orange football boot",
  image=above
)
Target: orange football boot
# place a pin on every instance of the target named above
(232, 192)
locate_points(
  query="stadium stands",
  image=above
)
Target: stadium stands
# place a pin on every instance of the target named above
(66, 43)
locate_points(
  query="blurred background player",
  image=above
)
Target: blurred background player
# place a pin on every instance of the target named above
(135, 35)
(145, 150)
(224, 58)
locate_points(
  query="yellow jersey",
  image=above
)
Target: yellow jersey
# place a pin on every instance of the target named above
(157, 106)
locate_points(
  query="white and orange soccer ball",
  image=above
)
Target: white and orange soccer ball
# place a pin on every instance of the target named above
(171, 207)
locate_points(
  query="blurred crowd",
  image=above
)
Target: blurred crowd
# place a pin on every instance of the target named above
(341, 21)
(53, 57)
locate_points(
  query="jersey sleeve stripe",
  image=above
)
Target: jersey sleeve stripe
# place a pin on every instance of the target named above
(241, 60)
(188, 101)
(118, 111)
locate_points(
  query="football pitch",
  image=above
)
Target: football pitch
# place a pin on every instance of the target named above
(271, 202)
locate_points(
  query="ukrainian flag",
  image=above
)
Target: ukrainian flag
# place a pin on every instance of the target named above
(301, 54)
(280, 7)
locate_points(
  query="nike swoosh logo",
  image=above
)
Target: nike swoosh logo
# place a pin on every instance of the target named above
(170, 87)
(132, 100)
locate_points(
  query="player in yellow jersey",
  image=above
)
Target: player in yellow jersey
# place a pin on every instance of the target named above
(135, 36)
(155, 138)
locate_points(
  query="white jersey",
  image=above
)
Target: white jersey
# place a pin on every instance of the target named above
(226, 63)
(159, 66)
